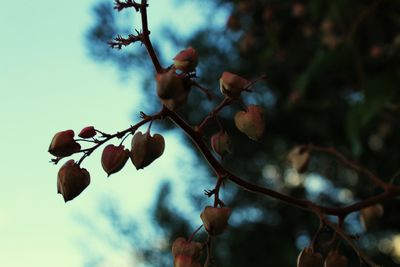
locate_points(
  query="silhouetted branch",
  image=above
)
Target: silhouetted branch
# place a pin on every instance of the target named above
(120, 5)
(120, 41)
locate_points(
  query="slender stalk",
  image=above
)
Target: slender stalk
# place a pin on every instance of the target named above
(146, 38)
(351, 164)
(226, 102)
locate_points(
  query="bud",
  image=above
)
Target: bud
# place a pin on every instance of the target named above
(221, 143)
(114, 158)
(307, 258)
(215, 220)
(232, 85)
(186, 254)
(72, 180)
(87, 132)
(186, 60)
(299, 157)
(369, 216)
(63, 144)
(146, 148)
(251, 122)
(334, 259)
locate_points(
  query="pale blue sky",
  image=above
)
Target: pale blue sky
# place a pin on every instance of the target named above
(48, 84)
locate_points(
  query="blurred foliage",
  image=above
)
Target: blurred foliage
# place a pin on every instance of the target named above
(333, 79)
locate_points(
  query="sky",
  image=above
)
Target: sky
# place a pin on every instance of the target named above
(48, 84)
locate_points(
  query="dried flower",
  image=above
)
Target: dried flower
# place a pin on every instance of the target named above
(221, 143)
(72, 180)
(63, 144)
(215, 220)
(232, 85)
(146, 149)
(334, 259)
(186, 254)
(114, 158)
(251, 122)
(307, 258)
(172, 89)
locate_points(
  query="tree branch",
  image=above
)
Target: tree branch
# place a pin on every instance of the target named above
(146, 38)
(350, 164)
(220, 171)
(119, 41)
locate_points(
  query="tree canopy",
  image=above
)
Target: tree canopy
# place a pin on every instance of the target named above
(333, 79)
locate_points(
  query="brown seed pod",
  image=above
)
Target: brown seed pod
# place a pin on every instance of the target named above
(114, 158)
(251, 122)
(221, 143)
(72, 180)
(185, 253)
(146, 149)
(307, 258)
(63, 144)
(215, 220)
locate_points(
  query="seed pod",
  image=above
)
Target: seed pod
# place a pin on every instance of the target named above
(299, 157)
(178, 101)
(185, 253)
(72, 180)
(169, 84)
(334, 259)
(186, 60)
(87, 132)
(369, 216)
(232, 85)
(114, 158)
(63, 144)
(146, 149)
(307, 258)
(215, 220)
(251, 122)
(172, 89)
(221, 143)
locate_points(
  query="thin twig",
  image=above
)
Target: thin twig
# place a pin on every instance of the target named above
(146, 37)
(107, 137)
(127, 4)
(220, 171)
(226, 102)
(194, 233)
(350, 164)
(120, 41)
(351, 243)
(203, 89)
